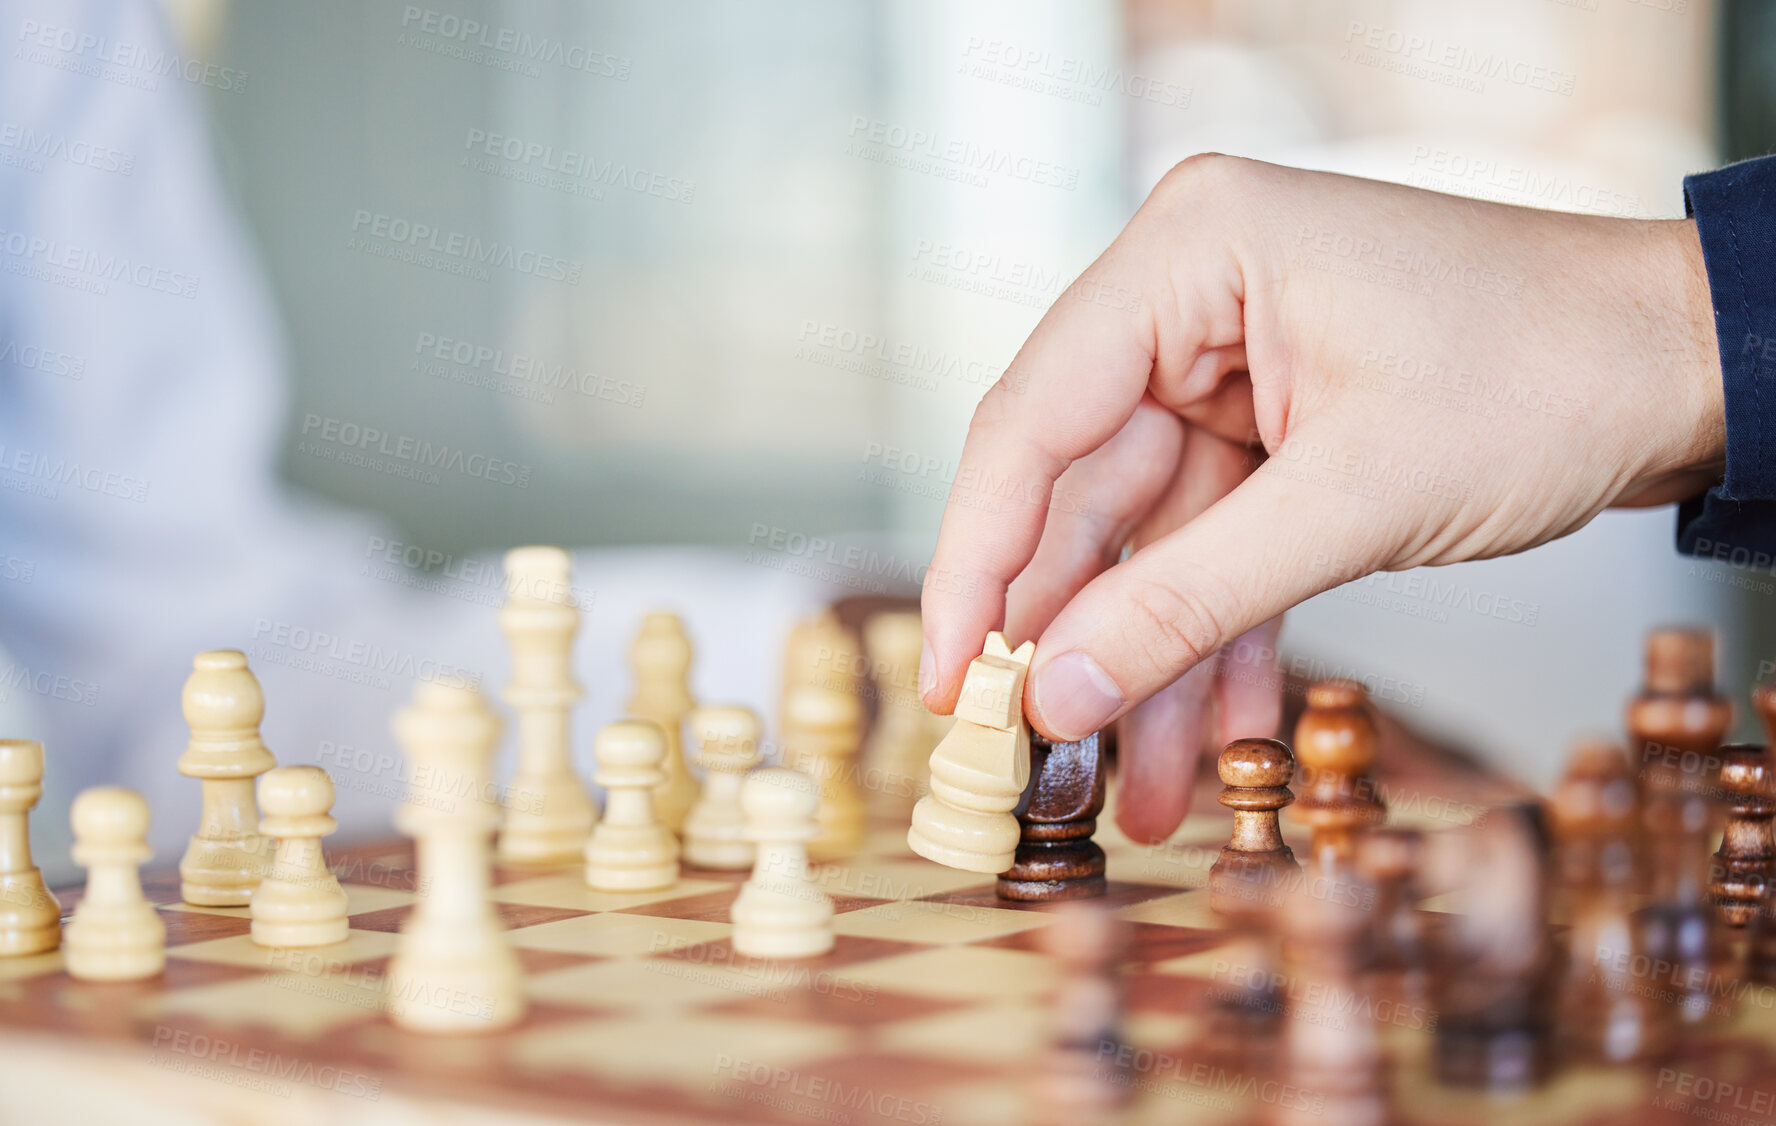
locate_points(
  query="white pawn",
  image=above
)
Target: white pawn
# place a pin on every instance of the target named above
(727, 747)
(30, 917)
(115, 934)
(299, 902)
(630, 850)
(780, 913)
(454, 969)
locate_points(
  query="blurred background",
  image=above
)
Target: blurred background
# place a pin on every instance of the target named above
(712, 274)
(794, 330)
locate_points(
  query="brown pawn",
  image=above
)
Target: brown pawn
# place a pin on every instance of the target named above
(1249, 879)
(1331, 1052)
(1255, 866)
(1056, 857)
(1492, 961)
(1085, 1070)
(1675, 728)
(1389, 860)
(1335, 741)
(1605, 1012)
(1747, 850)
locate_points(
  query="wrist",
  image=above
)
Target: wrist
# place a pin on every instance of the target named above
(1686, 398)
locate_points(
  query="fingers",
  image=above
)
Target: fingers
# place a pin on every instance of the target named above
(1075, 384)
(1146, 621)
(1156, 752)
(1248, 686)
(1097, 503)
(1160, 740)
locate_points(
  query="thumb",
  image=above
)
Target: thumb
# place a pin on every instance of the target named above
(1270, 543)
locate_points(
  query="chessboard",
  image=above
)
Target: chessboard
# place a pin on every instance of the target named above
(930, 1008)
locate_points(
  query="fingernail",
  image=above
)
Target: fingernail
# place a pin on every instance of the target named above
(927, 671)
(1075, 696)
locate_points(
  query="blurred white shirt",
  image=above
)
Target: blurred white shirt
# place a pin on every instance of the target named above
(142, 403)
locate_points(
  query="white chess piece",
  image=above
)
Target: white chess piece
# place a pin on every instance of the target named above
(979, 771)
(727, 747)
(901, 738)
(30, 917)
(223, 705)
(780, 912)
(115, 934)
(822, 737)
(299, 902)
(549, 815)
(454, 969)
(630, 850)
(820, 652)
(661, 659)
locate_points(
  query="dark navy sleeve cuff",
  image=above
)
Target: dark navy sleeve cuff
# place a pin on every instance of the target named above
(1735, 212)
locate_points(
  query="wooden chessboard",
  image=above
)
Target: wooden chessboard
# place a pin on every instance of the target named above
(929, 1009)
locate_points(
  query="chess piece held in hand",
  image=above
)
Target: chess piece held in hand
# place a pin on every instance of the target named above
(299, 902)
(979, 771)
(115, 934)
(223, 705)
(30, 917)
(781, 912)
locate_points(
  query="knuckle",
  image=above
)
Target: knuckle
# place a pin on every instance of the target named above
(1204, 171)
(1175, 622)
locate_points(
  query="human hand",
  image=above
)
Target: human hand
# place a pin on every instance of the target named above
(1277, 381)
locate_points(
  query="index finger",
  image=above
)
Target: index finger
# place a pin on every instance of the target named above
(1072, 386)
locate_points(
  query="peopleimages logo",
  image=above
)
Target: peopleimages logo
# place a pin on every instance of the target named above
(422, 239)
(99, 56)
(417, 453)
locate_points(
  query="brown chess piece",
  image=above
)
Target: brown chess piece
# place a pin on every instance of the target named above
(1492, 959)
(1605, 1012)
(1084, 1070)
(1056, 857)
(1255, 777)
(1247, 883)
(1388, 859)
(1331, 1052)
(1747, 850)
(1675, 727)
(1335, 742)
(1760, 954)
